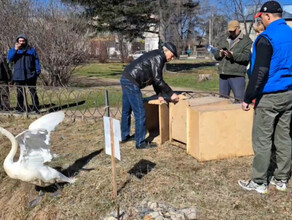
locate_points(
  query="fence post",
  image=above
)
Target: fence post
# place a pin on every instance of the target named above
(107, 108)
(114, 181)
(25, 101)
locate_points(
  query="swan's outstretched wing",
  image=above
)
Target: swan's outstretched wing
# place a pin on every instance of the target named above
(34, 143)
(48, 122)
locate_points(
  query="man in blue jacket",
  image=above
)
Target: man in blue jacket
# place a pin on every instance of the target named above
(271, 85)
(26, 70)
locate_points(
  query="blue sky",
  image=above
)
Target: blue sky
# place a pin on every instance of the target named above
(285, 2)
(213, 1)
(282, 2)
(47, 1)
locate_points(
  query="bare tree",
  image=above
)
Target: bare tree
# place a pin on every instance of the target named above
(59, 37)
(218, 28)
(123, 47)
(62, 43)
(14, 17)
(177, 21)
(241, 10)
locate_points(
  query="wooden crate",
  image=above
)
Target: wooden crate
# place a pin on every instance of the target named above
(157, 121)
(178, 115)
(219, 132)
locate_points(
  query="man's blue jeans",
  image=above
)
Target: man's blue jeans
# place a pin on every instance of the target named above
(132, 101)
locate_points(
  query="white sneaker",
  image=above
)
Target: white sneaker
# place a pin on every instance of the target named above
(251, 185)
(281, 185)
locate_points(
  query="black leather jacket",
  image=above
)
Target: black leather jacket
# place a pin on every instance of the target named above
(147, 70)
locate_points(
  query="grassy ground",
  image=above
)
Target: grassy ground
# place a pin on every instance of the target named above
(106, 70)
(185, 74)
(190, 79)
(176, 179)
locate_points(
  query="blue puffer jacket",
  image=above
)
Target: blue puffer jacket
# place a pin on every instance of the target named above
(280, 74)
(26, 63)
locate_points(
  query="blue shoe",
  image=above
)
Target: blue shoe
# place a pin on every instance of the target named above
(146, 145)
(128, 138)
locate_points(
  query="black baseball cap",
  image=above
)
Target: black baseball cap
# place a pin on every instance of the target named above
(270, 7)
(171, 47)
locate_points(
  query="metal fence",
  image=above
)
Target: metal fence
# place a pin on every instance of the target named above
(84, 103)
(75, 102)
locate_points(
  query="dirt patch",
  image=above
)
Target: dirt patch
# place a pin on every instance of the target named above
(175, 178)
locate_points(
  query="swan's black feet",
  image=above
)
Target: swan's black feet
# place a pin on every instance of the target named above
(56, 194)
(37, 200)
(41, 193)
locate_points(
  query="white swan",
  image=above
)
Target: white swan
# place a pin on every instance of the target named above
(34, 152)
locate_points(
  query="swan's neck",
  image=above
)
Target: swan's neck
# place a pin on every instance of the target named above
(9, 158)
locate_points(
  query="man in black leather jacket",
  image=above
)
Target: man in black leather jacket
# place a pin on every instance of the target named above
(144, 71)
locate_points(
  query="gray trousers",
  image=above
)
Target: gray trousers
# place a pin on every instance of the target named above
(234, 83)
(271, 127)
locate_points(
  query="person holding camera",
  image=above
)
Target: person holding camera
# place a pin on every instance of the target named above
(26, 70)
(233, 56)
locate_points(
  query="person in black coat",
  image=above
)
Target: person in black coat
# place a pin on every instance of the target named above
(144, 71)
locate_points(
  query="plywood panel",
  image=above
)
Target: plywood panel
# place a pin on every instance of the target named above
(208, 100)
(178, 120)
(178, 114)
(219, 132)
(157, 121)
(163, 122)
(152, 117)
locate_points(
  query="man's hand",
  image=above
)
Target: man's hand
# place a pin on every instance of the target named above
(17, 46)
(228, 54)
(222, 53)
(174, 97)
(161, 99)
(245, 106)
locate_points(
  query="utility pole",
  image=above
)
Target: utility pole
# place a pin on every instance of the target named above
(211, 27)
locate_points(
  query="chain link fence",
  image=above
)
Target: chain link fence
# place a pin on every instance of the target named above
(85, 103)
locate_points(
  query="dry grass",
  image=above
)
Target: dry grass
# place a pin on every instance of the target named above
(177, 179)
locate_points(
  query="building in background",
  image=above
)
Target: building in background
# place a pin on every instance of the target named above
(151, 41)
(287, 15)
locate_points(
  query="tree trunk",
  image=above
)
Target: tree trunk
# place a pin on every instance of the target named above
(121, 48)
